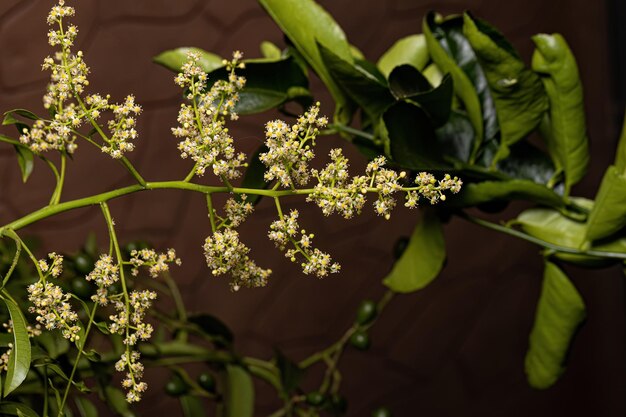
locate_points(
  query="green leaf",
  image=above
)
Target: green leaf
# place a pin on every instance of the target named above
(559, 313)
(472, 194)
(306, 23)
(423, 258)
(527, 161)
(290, 373)
(368, 91)
(553, 227)
(518, 93)
(412, 141)
(174, 59)
(270, 51)
(214, 327)
(192, 406)
(411, 50)
(239, 393)
(407, 83)
(16, 409)
(19, 360)
(456, 137)
(25, 159)
(117, 401)
(609, 212)
(54, 345)
(9, 116)
(451, 51)
(269, 84)
(567, 137)
(85, 407)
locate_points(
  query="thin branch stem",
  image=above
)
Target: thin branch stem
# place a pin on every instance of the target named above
(547, 245)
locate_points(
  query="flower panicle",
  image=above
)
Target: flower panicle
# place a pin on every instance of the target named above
(287, 232)
(205, 139)
(66, 101)
(157, 263)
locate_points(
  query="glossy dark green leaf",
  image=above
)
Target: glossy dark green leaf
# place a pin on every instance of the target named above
(609, 212)
(25, 160)
(290, 373)
(472, 194)
(526, 161)
(567, 137)
(364, 88)
(456, 137)
(453, 54)
(19, 360)
(411, 50)
(174, 59)
(423, 258)
(306, 23)
(560, 311)
(85, 407)
(412, 140)
(214, 327)
(512, 85)
(16, 409)
(269, 84)
(406, 81)
(192, 406)
(239, 392)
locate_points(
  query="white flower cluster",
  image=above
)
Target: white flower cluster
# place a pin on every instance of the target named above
(53, 309)
(225, 254)
(104, 274)
(129, 361)
(68, 80)
(129, 322)
(202, 124)
(156, 262)
(122, 128)
(287, 231)
(289, 151)
(238, 210)
(431, 189)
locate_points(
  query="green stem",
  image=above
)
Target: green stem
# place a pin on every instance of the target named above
(209, 203)
(81, 345)
(178, 302)
(547, 245)
(60, 177)
(336, 128)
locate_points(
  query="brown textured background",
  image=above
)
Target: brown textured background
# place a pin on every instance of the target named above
(454, 349)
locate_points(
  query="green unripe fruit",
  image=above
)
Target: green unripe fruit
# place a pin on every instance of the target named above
(207, 381)
(81, 288)
(315, 398)
(360, 340)
(83, 264)
(381, 412)
(367, 312)
(176, 386)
